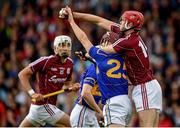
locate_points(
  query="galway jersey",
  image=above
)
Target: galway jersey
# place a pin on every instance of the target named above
(89, 77)
(51, 76)
(136, 56)
(111, 73)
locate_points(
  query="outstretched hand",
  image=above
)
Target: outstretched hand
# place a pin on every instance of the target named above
(81, 55)
(63, 14)
(85, 56)
(80, 34)
(69, 13)
(66, 13)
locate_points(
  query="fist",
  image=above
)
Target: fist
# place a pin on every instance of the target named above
(81, 55)
(37, 97)
(63, 14)
(75, 87)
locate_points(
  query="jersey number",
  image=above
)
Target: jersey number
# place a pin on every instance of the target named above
(143, 47)
(110, 72)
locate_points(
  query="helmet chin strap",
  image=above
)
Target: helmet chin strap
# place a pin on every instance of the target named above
(127, 28)
(126, 25)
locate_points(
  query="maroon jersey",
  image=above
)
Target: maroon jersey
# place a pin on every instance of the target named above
(136, 56)
(51, 75)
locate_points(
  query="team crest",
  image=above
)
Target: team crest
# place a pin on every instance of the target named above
(53, 69)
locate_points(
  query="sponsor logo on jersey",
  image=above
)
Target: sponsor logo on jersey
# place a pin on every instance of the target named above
(55, 79)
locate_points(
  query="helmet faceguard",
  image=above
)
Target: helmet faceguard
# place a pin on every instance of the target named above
(62, 46)
(134, 17)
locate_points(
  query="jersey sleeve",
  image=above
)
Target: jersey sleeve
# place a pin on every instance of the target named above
(90, 78)
(115, 28)
(39, 64)
(97, 54)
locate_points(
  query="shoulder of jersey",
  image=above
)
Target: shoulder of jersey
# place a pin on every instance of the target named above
(49, 58)
(46, 57)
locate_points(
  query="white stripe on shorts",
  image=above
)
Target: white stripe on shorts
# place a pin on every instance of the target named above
(81, 117)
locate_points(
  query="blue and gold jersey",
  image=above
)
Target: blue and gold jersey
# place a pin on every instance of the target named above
(89, 77)
(111, 73)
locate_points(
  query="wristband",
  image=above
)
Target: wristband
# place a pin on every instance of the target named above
(31, 92)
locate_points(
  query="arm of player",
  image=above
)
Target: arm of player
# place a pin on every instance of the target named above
(82, 37)
(88, 97)
(108, 49)
(24, 76)
(102, 22)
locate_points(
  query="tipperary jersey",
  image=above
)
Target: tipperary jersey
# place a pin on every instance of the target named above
(89, 77)
(111, 73)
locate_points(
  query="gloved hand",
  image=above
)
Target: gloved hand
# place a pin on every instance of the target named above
(81, 55)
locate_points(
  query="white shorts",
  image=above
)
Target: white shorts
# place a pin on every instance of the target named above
(118, 110)
(42, 114)
(82, 116)
(147, 96)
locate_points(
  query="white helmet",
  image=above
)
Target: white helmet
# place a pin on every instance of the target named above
(62, 39)
(59, 42)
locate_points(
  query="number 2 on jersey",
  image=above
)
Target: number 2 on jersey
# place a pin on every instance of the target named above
(110, 72)
(143, 47)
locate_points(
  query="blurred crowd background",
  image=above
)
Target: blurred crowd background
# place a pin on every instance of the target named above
(28, 27)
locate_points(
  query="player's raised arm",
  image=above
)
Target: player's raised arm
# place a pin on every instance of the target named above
(82, 37)
(100, 21)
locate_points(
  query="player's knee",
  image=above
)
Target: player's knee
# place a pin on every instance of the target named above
(147, 118)
(116, 125)
(64, 121)
(63, 124)
(68, 124)
(26, 123)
